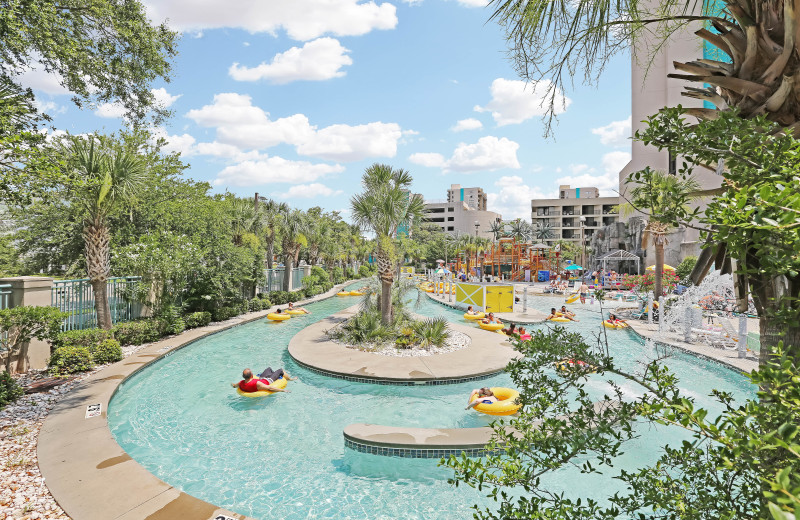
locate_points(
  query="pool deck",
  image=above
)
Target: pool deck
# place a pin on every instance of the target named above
(90, 475)
(488, 353)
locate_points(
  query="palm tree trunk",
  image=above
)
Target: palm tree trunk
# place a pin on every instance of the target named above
(287, 271)
(270, 250)
(97, 238)
(659, 272)
(386, 275)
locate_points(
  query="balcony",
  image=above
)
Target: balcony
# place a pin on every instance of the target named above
(540, 214)
(591, 212)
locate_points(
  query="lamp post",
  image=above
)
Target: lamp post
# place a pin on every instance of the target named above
(477, 225)
(583, 241)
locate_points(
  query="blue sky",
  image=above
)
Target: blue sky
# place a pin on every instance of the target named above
(295, 99)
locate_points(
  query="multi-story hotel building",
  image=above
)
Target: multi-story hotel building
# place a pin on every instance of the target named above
(464, 211)
(564, 213)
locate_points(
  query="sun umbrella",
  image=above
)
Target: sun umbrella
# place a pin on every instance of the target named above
(574, 267)
(442, 271)
(667, 267)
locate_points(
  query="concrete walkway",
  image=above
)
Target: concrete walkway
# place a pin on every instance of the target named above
(90, 475)
(488, 353)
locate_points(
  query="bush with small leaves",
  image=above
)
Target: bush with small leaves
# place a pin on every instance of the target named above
(197, 319)
(226, 313)
(80, 338)
(107, 351)
(279, 297)
(70, 360)
(9, 389)
(363, 272)
(136, 332)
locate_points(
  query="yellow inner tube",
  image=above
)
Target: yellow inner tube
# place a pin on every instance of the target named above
(608, 325)
(572, 364)
(560, 319)
(506, 402)
(478, 316)
(356, 293)
(572, 298)
(280, 383)
(294, 312)
(490, 326)
(343, 293)
(278, 317)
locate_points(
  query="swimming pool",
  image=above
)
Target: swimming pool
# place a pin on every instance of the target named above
(285, 455)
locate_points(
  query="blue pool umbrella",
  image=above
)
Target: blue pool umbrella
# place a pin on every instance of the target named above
(574, 267)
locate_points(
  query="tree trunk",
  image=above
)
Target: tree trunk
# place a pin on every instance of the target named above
(287, 271)
(270, 251)
(386, 276)
(96, 238)
(771, 333)
(659, 272)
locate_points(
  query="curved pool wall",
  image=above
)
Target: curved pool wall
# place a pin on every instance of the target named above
(284, 455)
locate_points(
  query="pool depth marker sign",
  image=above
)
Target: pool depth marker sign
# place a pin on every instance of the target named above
(94, 410)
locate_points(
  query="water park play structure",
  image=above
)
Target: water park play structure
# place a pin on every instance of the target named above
(507, 258)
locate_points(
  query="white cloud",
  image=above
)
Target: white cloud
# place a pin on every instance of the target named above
(110, 110)
(317, 60)
(302, 19)
(474, 3)
(37, 79)
(49, 107)
(273, 170)
(309, 191)
(163, 98)
(489, 154)
(174, 143)
(512, 199)
(616, 133)
(431, 160)
(514, 101)
(114, 110)
(467, 124)
(607, 181)
(238, 122)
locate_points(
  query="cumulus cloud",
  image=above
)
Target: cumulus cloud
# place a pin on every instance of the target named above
(616, 133)
(239, 123)
(110, 110)
(473, 3)
(467, 124)
(273, 170)
(301, 19)
(37, 78)
(488, 154)
(309, 191)
(163, 99)
(512, 197)
(514, 101)
(317, 60)
(607, 181)
(431, 160)
(49, 107)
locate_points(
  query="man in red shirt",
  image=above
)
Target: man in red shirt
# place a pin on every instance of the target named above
(264, 381)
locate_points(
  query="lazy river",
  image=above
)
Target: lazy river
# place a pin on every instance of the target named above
(284, 456)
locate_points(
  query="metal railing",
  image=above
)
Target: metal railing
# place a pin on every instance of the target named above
(273, 280)
(298, 273)
(76, 297)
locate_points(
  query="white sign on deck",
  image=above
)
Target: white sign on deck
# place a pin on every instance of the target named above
(223, 517)
(93, 410)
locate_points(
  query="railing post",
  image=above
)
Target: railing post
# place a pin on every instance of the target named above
(742, 351)
(32, 291)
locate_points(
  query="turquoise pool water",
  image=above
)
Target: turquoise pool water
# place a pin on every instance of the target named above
(284, 456)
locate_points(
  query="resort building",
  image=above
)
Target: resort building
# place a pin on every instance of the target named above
(575, 211)
(464, 211)
(475, 198)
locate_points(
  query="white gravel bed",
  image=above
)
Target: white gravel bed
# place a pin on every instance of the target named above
(456, 341)
(23, 493)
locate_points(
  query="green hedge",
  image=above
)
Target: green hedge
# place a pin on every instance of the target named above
(9, 389)
(136, 332)
(107, 351)
(197, 319)
(80, 338)
(70, 360)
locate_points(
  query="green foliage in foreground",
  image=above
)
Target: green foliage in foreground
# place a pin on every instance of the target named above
(19, 325)
(744, 464)
(9, 389)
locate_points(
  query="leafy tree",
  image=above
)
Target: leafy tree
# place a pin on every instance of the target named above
(115, 175)
(101, 50)
(270, 213)
(662, 196)
(294, 227)
(19, 325)
(554, 39)
(381, 208)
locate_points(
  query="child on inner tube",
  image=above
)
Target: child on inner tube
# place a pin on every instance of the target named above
(485, 396)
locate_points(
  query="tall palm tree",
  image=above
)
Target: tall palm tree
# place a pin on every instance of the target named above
(294, 227)
(543, 231)
(521, 230)
(497, 229)
(270, 214)
(242, 217)
(657, 192)
(381, 208)
(113, 176)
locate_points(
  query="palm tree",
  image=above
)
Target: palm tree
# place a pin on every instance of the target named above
(113, 176)
(520, 230)
(497, 229)
(243, 218)
(381, 208)
(543, 231)
(270, 213)
(658, 192)
(294, 227)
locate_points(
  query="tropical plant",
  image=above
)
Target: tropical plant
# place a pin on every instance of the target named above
(432, 332)
(543, 231)
(756, 41)
(10, 390)
(661, 195)
(521, 230)
(381, 208)
(294, 227)
(497, 229)
(270, 213)
(113, 175)
(19, 325)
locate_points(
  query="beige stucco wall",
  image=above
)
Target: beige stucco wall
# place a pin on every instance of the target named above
(31, 291)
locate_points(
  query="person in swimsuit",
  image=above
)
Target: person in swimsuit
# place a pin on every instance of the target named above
(250, 384)
(567, 314)
(510, 331)
(612, 318)
(584, 290)
(485, 396)
(293, 308)
(471, 311)
(491, 319)
(553, 314)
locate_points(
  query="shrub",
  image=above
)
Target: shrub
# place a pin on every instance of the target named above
(70, 360)
(197, 319)
(107, 351)
(136, 332)
(294, 296)
(320, 274)
(170, 321)
(79, 338)
(684, 269)
(226, 313)
(9, 389)
(432, 332)
(279, 297)
(337, 275)
(363, 272)
(350, 273)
